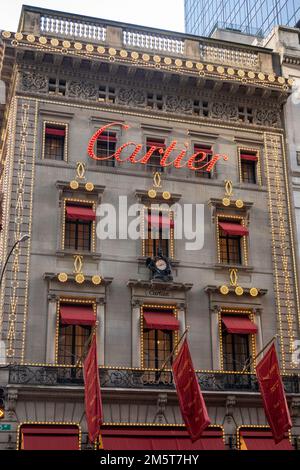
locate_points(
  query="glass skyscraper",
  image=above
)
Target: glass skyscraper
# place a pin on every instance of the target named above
(248, 16)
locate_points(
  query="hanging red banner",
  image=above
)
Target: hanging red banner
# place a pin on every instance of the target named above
(93, 402)
(190, 398)
(273, 394)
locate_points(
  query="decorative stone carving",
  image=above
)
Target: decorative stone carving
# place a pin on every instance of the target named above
(131, 97)
(31, 81)
(11, 401)
(225, 111)
(230, 407)
(267, 117)
(160, 416)
(176, 104)
(86, 91)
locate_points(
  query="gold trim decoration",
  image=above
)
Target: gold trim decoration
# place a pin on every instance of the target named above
(254, 292)
(62, 277)
(123, 53)
(89, 186)
(224, 290)
(78, 264)
(66, 44)
(96, 280)
(54, 42)
(101, 49)
(233, 275)
(74, 184)
(167, 61)
(239, 291)
(134, 55)
(112, 51)
(31, 38)
(79, 278)
(6, 34)
(146, 57)
(226, 201)
(166, 195)
(253, 426)
(19, 36)
(89, 47)
(152, 193)
(239, 203)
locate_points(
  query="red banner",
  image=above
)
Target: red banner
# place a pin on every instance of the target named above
(93, 403)
(272, 390)
(190, 398)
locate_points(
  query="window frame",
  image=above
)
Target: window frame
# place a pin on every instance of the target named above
(150, 167)
(258, 172)
(200, 173)
(75, 301)
(171, 240)
(243, 243)
(86, 203)
(60, 124)
(112, 162)
(249, 313)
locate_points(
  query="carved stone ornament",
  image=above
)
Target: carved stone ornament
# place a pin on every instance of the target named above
(86, 91)
(31, 81)
(176, 104)
(267, 117)
(131, 97)
(225, 111)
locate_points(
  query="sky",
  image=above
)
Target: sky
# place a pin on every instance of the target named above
(164, 14)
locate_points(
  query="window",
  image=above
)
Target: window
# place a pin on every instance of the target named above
(57, 86)
(159, 232)
(78, 227)
(207, 150)
(106, 94)
(201, 108)
(230, 238)
(246, 114)
(155, 101)
(106, 146)
(153, 163)
(235, 351)
(75, 323)
(54, 142)
(237, 332)
(158, 338)
(248, 161)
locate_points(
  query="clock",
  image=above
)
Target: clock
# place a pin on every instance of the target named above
(161, 264)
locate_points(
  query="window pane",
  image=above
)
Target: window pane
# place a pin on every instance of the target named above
(235, 351)
(54, 147)
(71, 342)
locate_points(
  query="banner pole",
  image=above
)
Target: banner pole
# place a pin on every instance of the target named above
(172, 353)
(249, 364)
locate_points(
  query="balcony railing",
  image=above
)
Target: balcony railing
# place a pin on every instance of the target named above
(72, 29)
(229, 56)
(153, 42)
(140, 379)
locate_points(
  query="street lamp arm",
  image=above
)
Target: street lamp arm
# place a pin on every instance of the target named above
(23, 238)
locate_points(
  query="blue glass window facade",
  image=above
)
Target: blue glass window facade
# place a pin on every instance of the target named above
(248, 16)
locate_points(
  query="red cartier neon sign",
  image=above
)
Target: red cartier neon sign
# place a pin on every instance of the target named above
(177, 162)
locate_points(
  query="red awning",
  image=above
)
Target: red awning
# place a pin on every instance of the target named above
(77, 315)
(107, 138)
(160, 321)
(140, 438)
(55, 131)
(233, 229)
(80, 212)
(42, 437)
(208, 151)
(159, 221)
(249, 157)
(151, 143)
(263, 440)
(239, 325)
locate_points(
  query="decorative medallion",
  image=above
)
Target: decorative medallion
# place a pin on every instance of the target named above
(178, 63)
(54, 42)
(101, 49)
(62, 277)
(251, 75)
(123, 53)
(220, 70)
(226, 201)
(89, 186)
(96, 280)
(19, 37)
(239, 291)
(167, 61)
(112, 51)
(157, 59)
(146, 57)
(166, 195)
(6, 34)
(239, 203)
(74, 184)
(89, 47)
(134, 55)
(230, 71)
(290, 81)
(30, 38)
(199, 66)
(241, 73)
(78, 46)
(79, 278)
(210, 68)
(254, 292)
(261, 76)
(224, 290)
(66, 44)
(152, 193)
(281, 80)
(189, 64)
(271, 78)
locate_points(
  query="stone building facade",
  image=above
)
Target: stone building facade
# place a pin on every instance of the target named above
(66, 76)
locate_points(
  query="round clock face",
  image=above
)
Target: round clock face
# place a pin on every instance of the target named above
(161, 264)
